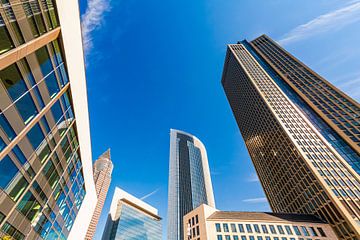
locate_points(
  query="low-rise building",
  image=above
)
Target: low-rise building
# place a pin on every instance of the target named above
(207, 223)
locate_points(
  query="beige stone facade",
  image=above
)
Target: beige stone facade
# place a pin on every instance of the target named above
(209, 223)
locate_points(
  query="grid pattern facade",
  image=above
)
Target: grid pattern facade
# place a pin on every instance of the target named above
(268, 231)
(299, 170)
(340, 111)
(188, 181)
(134, 224)
(41, 176)
(102, 177)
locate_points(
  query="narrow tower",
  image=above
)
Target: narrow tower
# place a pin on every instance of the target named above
(304, 165)
(189, 180)
(103, 168)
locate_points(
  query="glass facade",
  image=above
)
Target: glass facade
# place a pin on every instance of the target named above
(133, 224)
(189, 180)
(41, 175)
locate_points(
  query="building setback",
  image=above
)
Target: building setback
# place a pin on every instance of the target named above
(131, 218)
(189, 180)
(103, 168)
(209, 223)
(46, 182)
(300, 170)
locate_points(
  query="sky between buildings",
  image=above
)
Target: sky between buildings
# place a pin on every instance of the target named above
(153, 65)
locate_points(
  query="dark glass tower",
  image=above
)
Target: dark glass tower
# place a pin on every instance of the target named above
(304, 165)
(189, 180)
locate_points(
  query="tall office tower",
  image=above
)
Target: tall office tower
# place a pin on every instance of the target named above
(103, 168)
(131, 218)
(300, 169)
(189, 180)
(46, 183)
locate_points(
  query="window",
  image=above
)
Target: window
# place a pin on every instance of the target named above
(233, 227)
(272, 229)
(248, 228)
(305, 231)
(219, 237)
(288, 230)
(225, 227)
(7, 171)
(35, 136)
(19, 154)
(280, 229)
(267, 238)
(196, 219)
(57, 111)
(6, 43)
(10, 230)
(321, 231)
(251, 237)
(5, 125)
(297, 231)
(17, 187)
(264, 229)
(259, 238)
(241, 228)
(29, 206)
(313, 232)
(218, 227)
(2, 144)
(256, 228)
(243, 237)
(227, 237)
(197, 230)
(13, 82)
(235, 237)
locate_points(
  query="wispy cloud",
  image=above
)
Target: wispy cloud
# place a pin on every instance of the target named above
(255, 200)
(330, 21)
(253, 178)
(150, 194)
(92, 19)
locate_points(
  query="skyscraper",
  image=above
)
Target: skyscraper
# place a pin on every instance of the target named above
(103, 168)
(189, 180)
(131, 218)
(46, 181)
(303, 165)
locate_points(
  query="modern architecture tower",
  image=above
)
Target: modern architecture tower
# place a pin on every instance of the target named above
(46, 181)
(189, 180)
(131, 218)
(304, 165)
(103, 168)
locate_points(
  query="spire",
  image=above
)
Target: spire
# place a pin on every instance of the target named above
(106, 154)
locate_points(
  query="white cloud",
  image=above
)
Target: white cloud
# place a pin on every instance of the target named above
(253, 178)
(92, 19)
(255, 200)
(150, 194)
(330, 21)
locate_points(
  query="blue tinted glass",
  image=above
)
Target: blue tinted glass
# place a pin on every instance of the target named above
(52, 84)
(26, 108)
(35, 136)
(45, 124)
(7, 171)
(44, 61)
(4, 124)
(2, 144)
(13, 81)
(38, 97)
(19, 154)
(56, 111)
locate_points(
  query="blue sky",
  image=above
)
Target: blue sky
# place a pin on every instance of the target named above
(156, 65)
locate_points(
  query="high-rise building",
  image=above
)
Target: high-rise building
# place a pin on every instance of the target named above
(103, 168)
(131, 218)
(189, 180)
(208, 223)
(303, 165)
(46, 182)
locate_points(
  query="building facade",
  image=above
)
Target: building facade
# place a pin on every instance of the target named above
(300, 169)
(103, 168)
(46, 184)
(131, 218)
(189, 180)
(209, 223)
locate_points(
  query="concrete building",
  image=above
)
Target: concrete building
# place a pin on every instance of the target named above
(207, 223)
(189, 180)
(46, 180)
(131, 218)
(103, 168)
(303, 165)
